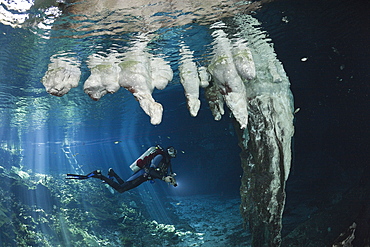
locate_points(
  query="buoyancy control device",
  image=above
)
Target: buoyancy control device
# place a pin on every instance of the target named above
(145, 158)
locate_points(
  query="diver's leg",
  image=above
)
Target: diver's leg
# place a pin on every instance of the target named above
(113, 184)
(126, 185)
(112, 173)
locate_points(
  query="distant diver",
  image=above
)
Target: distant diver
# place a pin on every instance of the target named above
(155, 163)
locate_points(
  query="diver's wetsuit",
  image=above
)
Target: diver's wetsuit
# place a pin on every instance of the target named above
(159, 167)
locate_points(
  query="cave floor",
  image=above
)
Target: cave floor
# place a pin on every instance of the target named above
(215, 219)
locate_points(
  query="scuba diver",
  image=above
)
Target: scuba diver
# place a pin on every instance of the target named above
(152, 164)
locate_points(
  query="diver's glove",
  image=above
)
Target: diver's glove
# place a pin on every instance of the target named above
(171, 179)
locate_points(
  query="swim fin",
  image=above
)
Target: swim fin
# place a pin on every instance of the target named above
(94, 174)
(76, 176)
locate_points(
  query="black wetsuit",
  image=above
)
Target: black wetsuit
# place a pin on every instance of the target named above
(158, 167)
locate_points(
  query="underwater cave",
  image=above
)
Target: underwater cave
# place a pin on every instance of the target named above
(265, 101)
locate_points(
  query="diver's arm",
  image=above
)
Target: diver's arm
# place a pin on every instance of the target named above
(170, 168)
(170, 175)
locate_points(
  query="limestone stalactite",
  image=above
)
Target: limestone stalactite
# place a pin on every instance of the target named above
(266, 143)
(62, 75)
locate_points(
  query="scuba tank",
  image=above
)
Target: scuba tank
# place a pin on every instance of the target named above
(144, 159)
